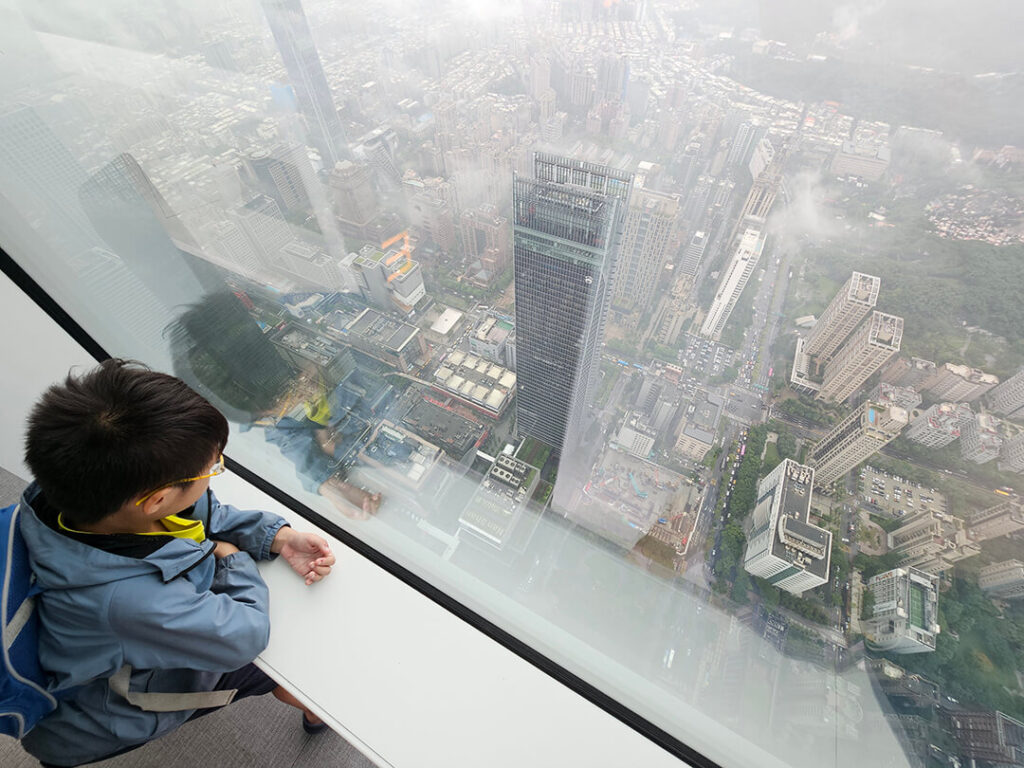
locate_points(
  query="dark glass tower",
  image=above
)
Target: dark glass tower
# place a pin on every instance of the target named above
(288, 23)
(567, 224)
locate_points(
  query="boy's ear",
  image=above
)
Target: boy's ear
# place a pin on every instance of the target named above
(155, 505)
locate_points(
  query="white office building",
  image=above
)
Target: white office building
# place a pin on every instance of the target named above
(735, 280)
(784, 547)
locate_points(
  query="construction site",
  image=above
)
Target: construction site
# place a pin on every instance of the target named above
(627, 498)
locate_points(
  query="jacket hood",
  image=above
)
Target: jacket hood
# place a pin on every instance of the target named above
(60, 562)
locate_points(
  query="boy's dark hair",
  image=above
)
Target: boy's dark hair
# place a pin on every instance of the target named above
(118, 431)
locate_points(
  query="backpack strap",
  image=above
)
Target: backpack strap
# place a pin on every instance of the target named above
(167, 702)
(20, 618)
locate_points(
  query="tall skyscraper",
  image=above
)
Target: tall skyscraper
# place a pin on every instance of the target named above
(868, 349)
(137, 223)
(849, 306)
(649, 234)
(784, 547)
(287, 21)
(567, 222)
(906, 615)
(1008, 398)
(854, 439)
(748, 253)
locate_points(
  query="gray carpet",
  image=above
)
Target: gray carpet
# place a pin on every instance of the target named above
(254, 733)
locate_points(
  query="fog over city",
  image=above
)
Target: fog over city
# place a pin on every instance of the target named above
(691, 331)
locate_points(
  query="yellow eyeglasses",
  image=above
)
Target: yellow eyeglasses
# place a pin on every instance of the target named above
(217, 469)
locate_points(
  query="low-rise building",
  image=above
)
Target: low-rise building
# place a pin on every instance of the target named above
(636, 437)
(1000, 519)
(697, 429)
(891, 394)
(1004, 579)
(1011, 455)
(932, 542)
(400, 455)
(443, 325)
(986, 735)
(391, 341)
(485, 386)
(498, 503)
(491, 338)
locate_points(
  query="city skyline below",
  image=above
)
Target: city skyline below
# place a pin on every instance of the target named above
(688, 333)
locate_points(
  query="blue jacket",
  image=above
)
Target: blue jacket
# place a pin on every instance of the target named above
(178, 616)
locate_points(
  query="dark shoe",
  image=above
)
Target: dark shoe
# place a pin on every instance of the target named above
(309, 727)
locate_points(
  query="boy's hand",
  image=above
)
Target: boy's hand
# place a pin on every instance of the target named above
(223, 549)
(352, 501)
(308, 554)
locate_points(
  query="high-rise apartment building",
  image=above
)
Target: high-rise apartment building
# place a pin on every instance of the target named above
(1007, 399)
(939, 425)
(1000, 519)
(1011, 455)
(694, 253)
(1004, 579)
(748, 253)
(958, 383)
(785, 548)
(567, 222)
(854, 439)
(868, 349)
(759, 201)
(748, 133)
(850, 305)
(906, 612)
(650, 232)
(287, 21)
(980, 439)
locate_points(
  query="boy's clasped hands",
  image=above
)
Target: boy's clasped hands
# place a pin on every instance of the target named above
(308, 554)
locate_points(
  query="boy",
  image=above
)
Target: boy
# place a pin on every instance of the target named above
(150, 584)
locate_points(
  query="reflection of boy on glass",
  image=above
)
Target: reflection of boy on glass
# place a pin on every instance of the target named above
(314, 437)
(152, 608)
(219, 349)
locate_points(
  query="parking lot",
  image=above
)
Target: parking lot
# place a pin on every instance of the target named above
(707, 357)
(897, 497)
